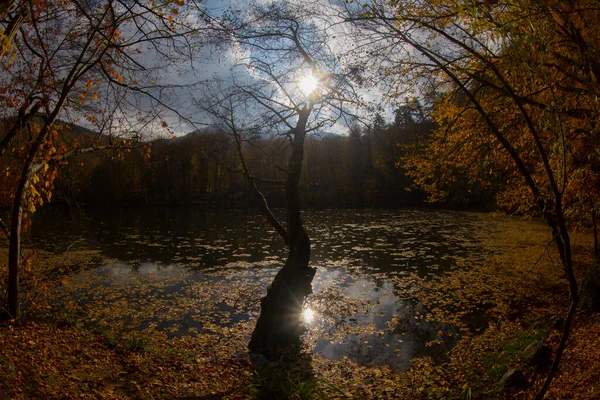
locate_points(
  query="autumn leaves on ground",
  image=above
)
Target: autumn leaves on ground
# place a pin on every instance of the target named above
(495, 105)
(54, 355)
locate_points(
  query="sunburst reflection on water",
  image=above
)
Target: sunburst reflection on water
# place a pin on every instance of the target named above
(190, 271)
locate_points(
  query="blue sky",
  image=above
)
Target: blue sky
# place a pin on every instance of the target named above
(179, 81)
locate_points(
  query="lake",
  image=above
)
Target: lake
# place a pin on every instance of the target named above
(188, 271)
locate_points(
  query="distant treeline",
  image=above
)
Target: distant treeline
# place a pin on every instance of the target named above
(354, 170)
(357, 170)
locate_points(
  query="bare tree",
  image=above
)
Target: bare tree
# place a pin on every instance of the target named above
(287, 83)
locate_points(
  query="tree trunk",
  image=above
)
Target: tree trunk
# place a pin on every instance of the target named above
(11, 30)
(14, 249)
(14, 252)
(278, 326)
(595, 225)
(561, 347)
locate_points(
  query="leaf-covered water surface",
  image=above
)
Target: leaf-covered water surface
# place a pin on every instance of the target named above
(389, 287)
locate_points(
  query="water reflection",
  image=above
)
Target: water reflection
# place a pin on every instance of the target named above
(185, 271)
(425, 242)
(308, 315)
(382, 329)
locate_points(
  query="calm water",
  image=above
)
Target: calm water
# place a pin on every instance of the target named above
(185, 271)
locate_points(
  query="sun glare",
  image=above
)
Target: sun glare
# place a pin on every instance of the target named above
(308, 84)
(308, 315)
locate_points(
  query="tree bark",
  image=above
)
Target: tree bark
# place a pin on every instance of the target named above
(14, 248)
(561, 347)
(595, 226)
(11, 30)
(278, 326)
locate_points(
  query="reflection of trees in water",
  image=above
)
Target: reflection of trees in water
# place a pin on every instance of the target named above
(419, 240)
(189, 237)
(386, 251)
(385, 241)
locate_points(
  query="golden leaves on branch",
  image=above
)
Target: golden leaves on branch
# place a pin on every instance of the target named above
(41, 183)
(540, 100)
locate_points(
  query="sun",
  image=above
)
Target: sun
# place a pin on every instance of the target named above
(308, 84)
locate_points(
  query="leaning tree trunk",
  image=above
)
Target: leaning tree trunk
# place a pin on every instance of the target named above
(14, 249)
(278, 325)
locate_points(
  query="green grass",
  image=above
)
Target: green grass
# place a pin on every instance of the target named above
(109, 339)
(497, 363)
(137, 342)
(64, 319)
(286, 381)
(498, 360)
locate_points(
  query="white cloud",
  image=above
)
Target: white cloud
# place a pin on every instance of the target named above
(178, 80)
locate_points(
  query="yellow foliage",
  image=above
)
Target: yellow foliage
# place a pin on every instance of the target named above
(5, 43)
(533, 89)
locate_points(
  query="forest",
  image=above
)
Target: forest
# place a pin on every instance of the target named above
(357, 170)
(310, 200)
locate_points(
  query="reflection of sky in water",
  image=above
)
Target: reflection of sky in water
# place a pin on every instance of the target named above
(196, 269)
(396, 337)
